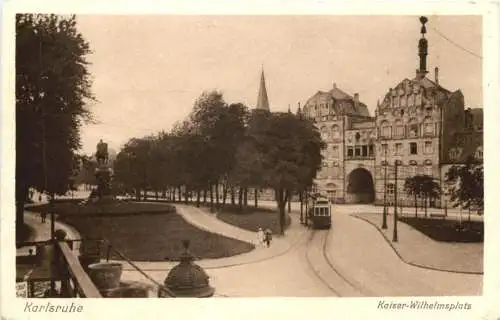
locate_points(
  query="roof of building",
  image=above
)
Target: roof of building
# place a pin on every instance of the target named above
(336, 94)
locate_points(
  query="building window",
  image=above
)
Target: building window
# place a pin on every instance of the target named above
(335, 151)
(390, 188)
(412, 171)
(413, 148)
(479, 153)
(383, 150)
(396, 101)
(370, 150)
(335, 132)
(357, 151)
(399, 129)
(428, 170)
(399, 149)
(418, 99)
(364, 151)
(428, 127)
(428, 147)
(385, 129)
(413, 130)
(350, 152)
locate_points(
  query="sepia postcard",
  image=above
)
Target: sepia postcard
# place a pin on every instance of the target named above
(302, 159)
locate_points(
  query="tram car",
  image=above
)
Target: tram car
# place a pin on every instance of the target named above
(320, 214)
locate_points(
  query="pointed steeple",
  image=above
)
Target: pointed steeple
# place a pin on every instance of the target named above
(262, 100)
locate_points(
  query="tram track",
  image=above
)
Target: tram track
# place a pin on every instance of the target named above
(323, 268)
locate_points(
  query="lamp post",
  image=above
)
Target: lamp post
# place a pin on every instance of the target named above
(384, 213)
(446, 202)
(395, 231)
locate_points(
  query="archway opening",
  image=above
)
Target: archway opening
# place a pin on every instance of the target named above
(360, 187)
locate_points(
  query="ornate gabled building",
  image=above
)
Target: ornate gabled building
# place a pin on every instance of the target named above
(419, 124)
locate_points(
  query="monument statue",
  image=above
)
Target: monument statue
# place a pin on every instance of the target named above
(103, 172)
(102, 153)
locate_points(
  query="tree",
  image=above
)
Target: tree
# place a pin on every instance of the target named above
(467, 184)
(53, 87)
(430, 189)
(412, 188)
(291, 152)
(422, 186)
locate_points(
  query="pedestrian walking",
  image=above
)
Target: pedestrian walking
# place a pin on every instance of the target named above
(44, 216)
(260, 237)
(267, 237)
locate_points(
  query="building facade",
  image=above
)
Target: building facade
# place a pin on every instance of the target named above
(419, 128)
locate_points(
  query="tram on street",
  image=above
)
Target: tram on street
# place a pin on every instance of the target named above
(320, 214)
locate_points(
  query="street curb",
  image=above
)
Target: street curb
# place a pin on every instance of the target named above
(412, 263)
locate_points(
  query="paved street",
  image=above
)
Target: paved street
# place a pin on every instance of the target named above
(361, 252)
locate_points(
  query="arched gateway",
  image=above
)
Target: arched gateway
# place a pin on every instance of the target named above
(360, 187)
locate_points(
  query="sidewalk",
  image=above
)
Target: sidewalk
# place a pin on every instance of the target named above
(41, 231)
(417, 249)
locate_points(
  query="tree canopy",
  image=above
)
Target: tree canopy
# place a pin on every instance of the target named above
(223, 146)
(467, 184)
(53, 89)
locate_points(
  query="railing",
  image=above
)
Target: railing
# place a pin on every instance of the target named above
(57, 264)
(74, 280)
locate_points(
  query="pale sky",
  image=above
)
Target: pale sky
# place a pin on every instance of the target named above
(149, 70)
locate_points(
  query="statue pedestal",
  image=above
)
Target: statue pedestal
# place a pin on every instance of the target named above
(103, 177)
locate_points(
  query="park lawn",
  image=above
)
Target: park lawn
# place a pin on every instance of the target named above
(115, 207)
(447, 230)
(253, 218)
(155, 237)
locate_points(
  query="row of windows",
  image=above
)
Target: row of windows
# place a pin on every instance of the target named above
(404, 100)
(334, 132)
(398, 149)
(321, 211)
(360, 151)
(369, 150)
(411, 130)
(386, 130)
(404, 172)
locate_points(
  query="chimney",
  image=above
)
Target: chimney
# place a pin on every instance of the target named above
(334, 85)
(436, 75)
(356, 97)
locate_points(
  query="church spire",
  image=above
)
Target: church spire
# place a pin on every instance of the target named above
(262, 100)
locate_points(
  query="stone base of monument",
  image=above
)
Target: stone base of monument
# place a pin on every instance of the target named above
(130, 289)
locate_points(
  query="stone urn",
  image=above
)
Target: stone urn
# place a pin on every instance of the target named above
(106, 275)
